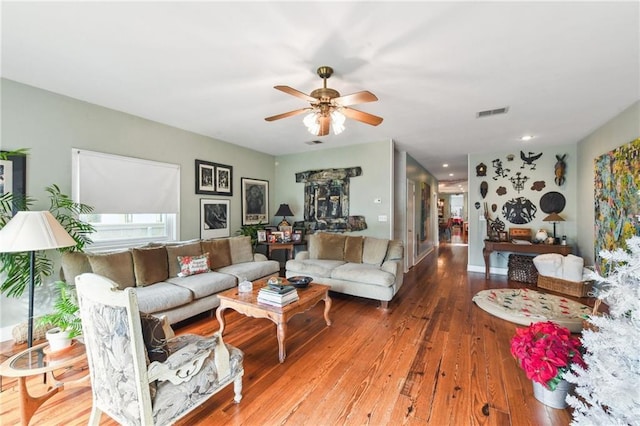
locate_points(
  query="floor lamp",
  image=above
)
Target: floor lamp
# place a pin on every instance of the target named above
(30, 232)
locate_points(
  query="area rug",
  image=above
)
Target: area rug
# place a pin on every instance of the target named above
(524, 306)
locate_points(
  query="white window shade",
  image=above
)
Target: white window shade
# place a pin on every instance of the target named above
(117, 184)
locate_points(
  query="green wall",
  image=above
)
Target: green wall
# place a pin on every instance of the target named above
(376, 161)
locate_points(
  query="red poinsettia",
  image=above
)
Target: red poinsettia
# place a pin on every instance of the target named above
(545, 350)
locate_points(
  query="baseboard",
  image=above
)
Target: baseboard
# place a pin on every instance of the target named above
(496, 271)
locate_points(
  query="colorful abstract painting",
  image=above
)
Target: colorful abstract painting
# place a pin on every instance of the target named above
(617, 197)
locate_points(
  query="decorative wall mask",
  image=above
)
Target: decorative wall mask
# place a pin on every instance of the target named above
(518, 181)
(519, 210)
(528, 160)
(481, 169)
(552, 202)
(501, 190)
(538, 185)
(560, 168)
(494, 207)
(497, 225)
(326, 200)
(484, 188)
(498, 169)
(477, 205)
(510, 157)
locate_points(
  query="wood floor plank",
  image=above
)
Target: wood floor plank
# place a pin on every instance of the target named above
(433, 358)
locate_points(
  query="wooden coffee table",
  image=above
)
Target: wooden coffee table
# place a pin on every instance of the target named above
(247, 304)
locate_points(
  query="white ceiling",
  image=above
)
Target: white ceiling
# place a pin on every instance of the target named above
(562, 68)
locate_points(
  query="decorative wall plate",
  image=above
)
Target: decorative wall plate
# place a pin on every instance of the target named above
(552, 202)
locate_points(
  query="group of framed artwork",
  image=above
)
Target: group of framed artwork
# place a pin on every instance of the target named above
(217, 179)
(284, 234)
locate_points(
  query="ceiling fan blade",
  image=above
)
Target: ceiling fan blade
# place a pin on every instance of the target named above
(288, 114)
(296, 93)
(355, 98)
(325, 123)
(364, 117)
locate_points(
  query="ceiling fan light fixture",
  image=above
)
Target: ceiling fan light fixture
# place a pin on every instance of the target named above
(311, 123)
(337, 121)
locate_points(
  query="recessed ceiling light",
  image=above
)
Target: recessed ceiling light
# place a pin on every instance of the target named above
(526, 138)
(450, 174)
(445, 165)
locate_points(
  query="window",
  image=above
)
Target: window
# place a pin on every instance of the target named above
(134, 200)
(130, 230)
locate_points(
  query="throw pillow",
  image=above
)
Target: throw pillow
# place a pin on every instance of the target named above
(395, 250)
(353, 249)
(241, 250)
(192, 249)
(330, 246)
(155, 340)
(74, 263)
(374, 250)
(219, 252)
(192, 265)
(150, 265)
(117, 266)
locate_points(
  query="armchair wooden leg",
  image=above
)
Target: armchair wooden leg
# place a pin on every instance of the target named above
(384, 304)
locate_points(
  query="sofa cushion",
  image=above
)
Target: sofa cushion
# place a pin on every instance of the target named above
(150, 265)
(117, 266)
(162, 297)
(241, 250)
(193, 265)
(328, 246)
(395, 251)
(251, 270)
(353, 249)
(74, 263)
(202, 285)
(315, 267)
(219, 252)
(374, 250)
(362, 272)
(191, 249)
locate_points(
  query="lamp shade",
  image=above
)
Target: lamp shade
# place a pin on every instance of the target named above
(33, 231)
(553, 217)
(284, 210)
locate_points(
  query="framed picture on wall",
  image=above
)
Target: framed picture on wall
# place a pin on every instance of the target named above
(13, 176)
(213, 178)
(255, 201)
(214, 218)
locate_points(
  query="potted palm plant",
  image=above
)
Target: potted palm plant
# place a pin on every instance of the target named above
(64, 319)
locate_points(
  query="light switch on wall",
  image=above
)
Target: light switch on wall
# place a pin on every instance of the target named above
(377, 200)
(382, 218)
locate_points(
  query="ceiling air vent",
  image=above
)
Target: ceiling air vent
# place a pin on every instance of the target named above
(490, 112)
(316, 142)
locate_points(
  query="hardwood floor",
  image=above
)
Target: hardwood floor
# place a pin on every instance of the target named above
(432, 358)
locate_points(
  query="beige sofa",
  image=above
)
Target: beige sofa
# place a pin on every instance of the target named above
(170, 278)
(360, 266)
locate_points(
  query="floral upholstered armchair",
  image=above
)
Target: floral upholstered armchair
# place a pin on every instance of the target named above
(141, 381)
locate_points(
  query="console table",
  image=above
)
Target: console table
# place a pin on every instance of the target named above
(491, 246)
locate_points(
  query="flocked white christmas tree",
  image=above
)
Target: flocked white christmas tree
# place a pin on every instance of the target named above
(608, 390)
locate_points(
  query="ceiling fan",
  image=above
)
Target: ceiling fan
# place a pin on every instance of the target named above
(328, 108)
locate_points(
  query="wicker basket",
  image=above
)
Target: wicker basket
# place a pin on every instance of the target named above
(521, 268)
(572, 288)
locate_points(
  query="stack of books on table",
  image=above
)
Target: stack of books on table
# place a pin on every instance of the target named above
(277, 296)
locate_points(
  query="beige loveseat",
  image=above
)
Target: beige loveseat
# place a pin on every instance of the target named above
(360, 266)
(154, 271)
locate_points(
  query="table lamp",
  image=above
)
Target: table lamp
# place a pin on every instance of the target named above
(284, 211)
(554, 218)
(30, 232)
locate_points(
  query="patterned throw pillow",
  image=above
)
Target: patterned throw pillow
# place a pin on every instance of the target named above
(191, 265)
